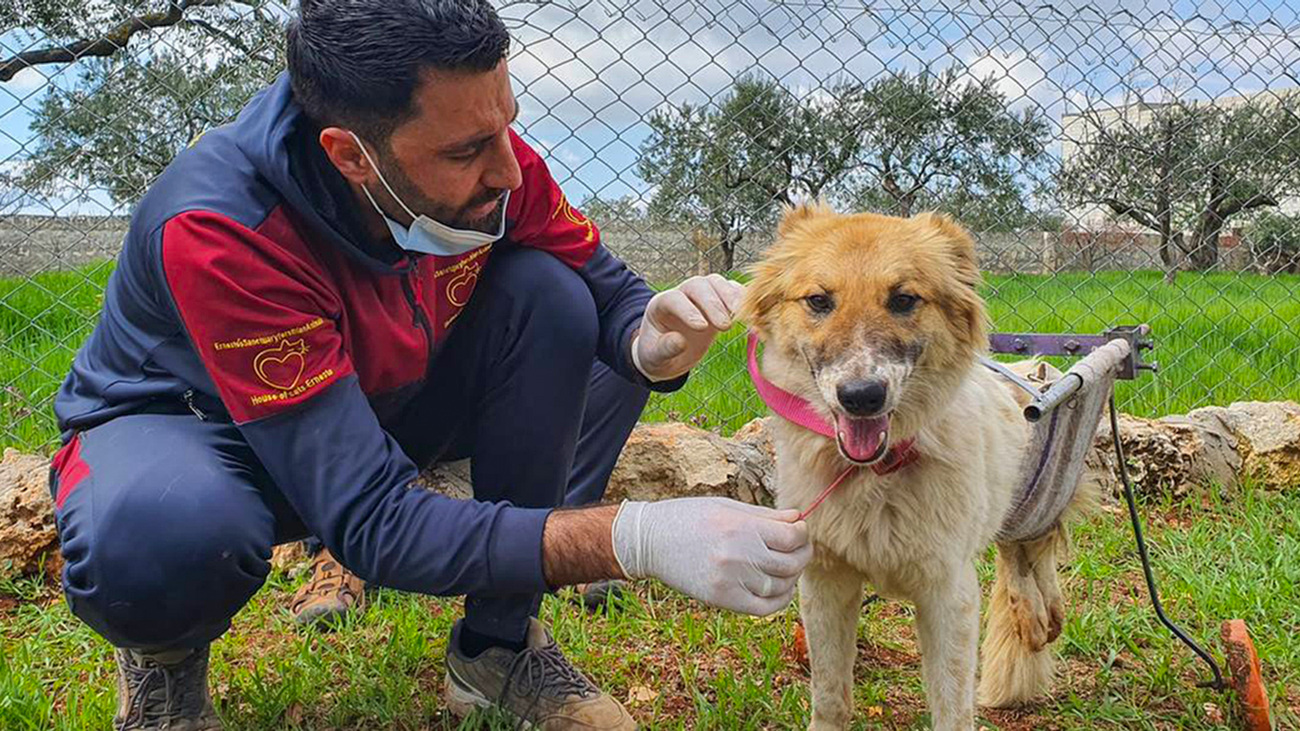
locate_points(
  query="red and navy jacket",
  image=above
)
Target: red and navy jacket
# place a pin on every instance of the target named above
(247, 286)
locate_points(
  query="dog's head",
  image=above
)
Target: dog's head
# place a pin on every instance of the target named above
(877, 317)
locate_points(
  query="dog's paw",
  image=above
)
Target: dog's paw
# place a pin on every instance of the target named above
(1055, 620)
(1032, 622)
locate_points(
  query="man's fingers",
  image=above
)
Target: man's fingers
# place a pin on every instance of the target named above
(783, 515)
(676, 311)
(782, 536)
(708, 301)
(730, 292)
(763, 607)
(670, 345)
(767, 586)
(786, 564)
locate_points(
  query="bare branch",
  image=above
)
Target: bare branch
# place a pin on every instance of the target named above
(228, 38)
(106, 44)
(1258, 200)
(1133, 211)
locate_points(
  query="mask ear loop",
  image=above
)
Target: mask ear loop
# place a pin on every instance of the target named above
(380, 175)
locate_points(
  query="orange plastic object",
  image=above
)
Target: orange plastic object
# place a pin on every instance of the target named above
(1243, 664)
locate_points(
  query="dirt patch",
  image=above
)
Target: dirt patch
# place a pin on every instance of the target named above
(889, 657)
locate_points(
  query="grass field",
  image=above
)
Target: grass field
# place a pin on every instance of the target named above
(683, 666)
(687, 667)
(1220, 338)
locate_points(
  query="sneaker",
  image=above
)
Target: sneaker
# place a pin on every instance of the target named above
(538, 686)
(330, 593)
(165, 691)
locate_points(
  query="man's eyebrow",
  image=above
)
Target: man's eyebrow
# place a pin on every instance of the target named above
(479, 139)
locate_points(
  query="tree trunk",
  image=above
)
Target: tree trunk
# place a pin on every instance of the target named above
(1164, 200)
(1205, 251)
(728, 245)
(903, 200)
(1205, 243)
(1171, 250)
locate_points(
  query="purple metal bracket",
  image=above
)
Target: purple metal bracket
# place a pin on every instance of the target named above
(1030, 344)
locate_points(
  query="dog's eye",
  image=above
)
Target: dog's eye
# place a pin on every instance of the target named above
(820, 303)
(901, 303)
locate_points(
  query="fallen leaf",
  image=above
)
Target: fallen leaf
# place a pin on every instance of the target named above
(799, 649)
(641, 694)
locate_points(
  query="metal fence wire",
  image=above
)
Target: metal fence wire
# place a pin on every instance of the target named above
(1117, 162)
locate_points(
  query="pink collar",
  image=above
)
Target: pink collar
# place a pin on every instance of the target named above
(798, 411)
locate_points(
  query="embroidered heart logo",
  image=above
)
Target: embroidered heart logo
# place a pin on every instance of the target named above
(282, 366)
(461, 286)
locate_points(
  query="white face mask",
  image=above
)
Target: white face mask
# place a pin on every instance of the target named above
(426, 235)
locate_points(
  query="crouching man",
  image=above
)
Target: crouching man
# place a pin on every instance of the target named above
(365, 272)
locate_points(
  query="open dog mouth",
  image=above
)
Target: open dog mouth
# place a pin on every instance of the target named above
(862, 440)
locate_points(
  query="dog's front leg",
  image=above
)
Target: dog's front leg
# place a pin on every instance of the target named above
(947, 623)
(830, 602)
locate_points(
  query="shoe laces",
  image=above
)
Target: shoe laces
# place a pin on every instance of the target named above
(536, 670)
(179, 691)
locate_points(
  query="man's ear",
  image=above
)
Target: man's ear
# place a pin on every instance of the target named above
(342, 148)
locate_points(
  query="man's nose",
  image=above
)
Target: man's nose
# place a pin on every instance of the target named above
(503, 171)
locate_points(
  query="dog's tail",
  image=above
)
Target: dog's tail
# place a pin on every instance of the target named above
(1025, 615)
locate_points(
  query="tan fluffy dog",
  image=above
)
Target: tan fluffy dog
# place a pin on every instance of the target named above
(876, 322)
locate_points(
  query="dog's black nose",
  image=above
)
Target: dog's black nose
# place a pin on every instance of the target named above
(862, 398)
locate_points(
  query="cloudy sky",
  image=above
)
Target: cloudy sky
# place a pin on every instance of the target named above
(588, 72)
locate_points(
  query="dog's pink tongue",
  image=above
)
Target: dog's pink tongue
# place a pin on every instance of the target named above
(862, 438)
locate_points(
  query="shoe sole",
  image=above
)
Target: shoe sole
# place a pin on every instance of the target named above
(462, 700)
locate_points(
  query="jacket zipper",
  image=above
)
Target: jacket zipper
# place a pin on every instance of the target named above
(189, 401)
(412, 288)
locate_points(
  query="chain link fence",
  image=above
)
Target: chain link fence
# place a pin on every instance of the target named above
(1117, 164)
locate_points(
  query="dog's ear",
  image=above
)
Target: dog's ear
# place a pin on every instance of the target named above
(763, 293)
(794, 215)
(962, 300)
(959, 245)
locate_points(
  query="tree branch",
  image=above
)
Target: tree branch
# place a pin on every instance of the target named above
(228, 38)
(1255, 201)
(106, 44)
(1133, 211)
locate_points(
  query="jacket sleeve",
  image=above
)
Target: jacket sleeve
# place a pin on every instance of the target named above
(265, 327)
(540, 216)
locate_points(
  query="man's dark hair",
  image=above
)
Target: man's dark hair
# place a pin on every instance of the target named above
(357, 63)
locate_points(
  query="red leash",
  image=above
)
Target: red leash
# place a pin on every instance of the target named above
(827, 492)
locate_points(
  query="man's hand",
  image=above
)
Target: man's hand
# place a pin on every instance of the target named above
(681, 323)
(726, 553)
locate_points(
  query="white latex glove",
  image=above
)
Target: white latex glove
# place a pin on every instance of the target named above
(681, 323)
(726, 553)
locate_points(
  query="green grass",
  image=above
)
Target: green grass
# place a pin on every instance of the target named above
(1222, 557)
(43, 320)
(1220, 338)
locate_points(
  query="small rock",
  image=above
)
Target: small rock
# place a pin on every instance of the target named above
(669, 460)
(449, 478)
(289, 558)
(28, 539)
(1267, 439)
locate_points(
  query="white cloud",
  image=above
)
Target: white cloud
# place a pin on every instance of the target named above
(25, 82)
